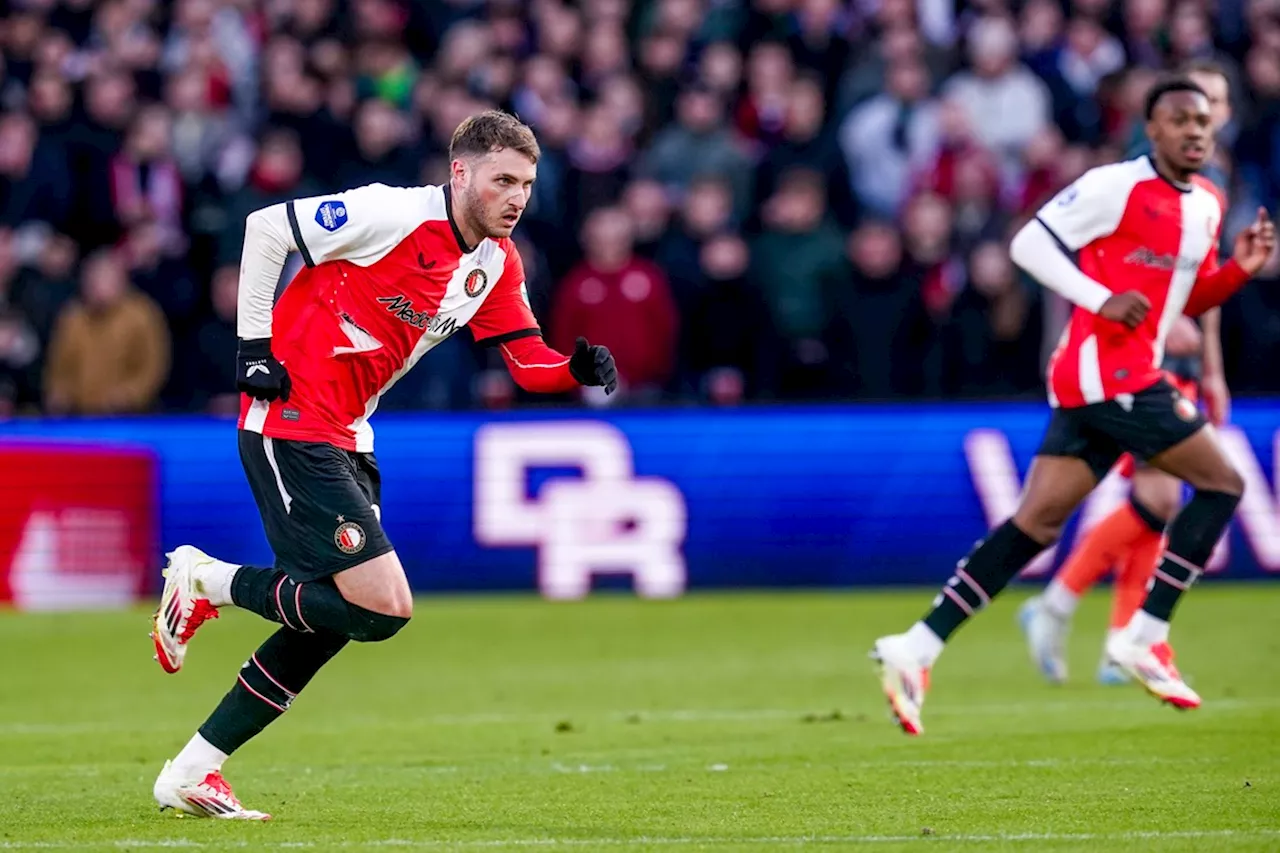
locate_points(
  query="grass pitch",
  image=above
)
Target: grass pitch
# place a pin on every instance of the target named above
(736, 722)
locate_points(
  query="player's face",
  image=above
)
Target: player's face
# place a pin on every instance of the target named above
(1181, 129)
(498, 190)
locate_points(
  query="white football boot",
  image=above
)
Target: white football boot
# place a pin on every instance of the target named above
(1046, 634)
(184, 606)
(207, 797)
(1152, 667)
(903, 679)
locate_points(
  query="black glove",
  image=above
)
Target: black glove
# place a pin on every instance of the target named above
(593, 366)
(258, 374)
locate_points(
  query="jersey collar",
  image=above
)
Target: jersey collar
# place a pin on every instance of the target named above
(1182, 188)
(457, 235)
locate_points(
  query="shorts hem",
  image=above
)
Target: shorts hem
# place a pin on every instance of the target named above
(337, 566)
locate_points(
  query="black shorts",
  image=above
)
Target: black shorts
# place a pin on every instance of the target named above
(319, 504)
(1145, 424)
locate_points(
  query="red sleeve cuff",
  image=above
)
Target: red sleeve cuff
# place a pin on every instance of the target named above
(536, 367)
(1231, 275)
(1217, 287)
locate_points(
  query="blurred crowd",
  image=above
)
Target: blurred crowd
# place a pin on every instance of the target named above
(743, 199)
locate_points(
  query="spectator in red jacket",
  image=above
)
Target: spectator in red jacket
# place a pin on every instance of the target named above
(622, 301)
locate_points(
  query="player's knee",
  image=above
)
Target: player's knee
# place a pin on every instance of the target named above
(1228, 481)
(1156, 507)
(1156, 514)
(1235, 482)
(1043, 524)
(367, 626)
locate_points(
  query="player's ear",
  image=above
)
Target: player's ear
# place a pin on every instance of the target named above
(458, 171)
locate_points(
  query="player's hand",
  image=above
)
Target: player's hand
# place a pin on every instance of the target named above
(258, 374)
(593, 366)
(1217, 399)
(1130, 308)
(1255, 244)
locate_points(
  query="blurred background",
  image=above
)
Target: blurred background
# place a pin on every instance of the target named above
(782, 202)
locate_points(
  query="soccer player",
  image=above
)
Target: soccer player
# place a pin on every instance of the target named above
(1146, 231)
(390, 273)
(1130, 540)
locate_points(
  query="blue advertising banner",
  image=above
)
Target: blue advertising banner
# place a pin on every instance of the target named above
(675, 499)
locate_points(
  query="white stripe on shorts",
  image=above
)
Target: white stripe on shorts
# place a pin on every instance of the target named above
(269, 447)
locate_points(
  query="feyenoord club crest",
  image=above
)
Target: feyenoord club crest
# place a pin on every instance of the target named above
(1184, 408)
(476, 282)
(349, 537)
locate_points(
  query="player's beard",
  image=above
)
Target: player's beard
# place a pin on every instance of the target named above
(474, 210)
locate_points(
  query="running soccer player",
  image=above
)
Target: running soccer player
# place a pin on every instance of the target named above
(1131, 539)
(1146, 231)
(389, 273)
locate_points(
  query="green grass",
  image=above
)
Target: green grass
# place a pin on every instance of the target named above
(736, 722)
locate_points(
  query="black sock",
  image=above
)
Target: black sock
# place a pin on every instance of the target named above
(1192, 537)
(305, 607)
(308, 607)
(980, 577)
(267, 684)
(1149, 518)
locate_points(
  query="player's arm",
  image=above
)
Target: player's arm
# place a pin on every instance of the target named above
(1213, 385)
(359, 225)
(1216, 283)
(1085, 211)
(506, 321)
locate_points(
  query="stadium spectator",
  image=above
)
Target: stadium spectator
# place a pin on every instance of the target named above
(599, 164)
(19, 344)
(720, 68)
(110, 348)
(995, 335)
(1006, 104)
(275, 176)
(876, 316)
(928, 237)
(699, 143)
(33, 180)
(110, 103)
(762, 110)
(1260, 143)
(211, 372)
(805, 141)
(382, 151)
(145, 181)
(796, 260)
(890, 137)
(647, 204)
(47, 283)
(707, 211)
(622, 302)
(728, 348)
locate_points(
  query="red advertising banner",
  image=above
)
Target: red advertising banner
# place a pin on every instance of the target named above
(78, 526)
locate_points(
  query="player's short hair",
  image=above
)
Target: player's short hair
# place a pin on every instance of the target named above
(493, 130)
(1165, 87)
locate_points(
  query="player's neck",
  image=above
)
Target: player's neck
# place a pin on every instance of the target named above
(467, 232)
(1180, 178)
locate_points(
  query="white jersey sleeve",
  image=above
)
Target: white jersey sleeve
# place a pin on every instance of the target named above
(1037, 251)
(360, 225)
(1091, 207)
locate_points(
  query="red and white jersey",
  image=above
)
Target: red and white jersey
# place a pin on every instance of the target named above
(387, 277)
(1133, 230)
